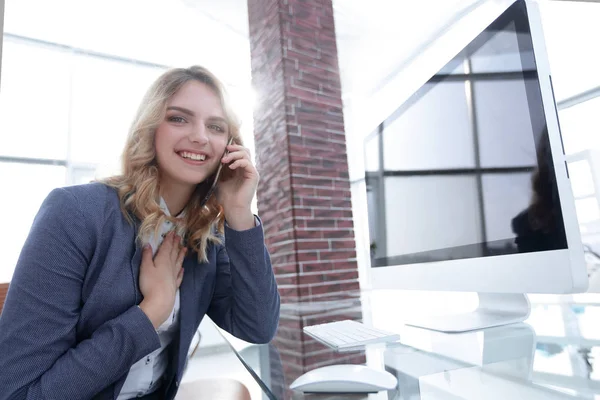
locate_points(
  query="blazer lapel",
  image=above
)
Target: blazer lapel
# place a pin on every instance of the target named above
(187, 314)
(136, 260)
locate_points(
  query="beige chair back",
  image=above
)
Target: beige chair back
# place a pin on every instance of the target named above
(3, 291)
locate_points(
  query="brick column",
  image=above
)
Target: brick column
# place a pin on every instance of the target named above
(304, 192)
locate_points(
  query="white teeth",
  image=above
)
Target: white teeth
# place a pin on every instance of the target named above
(193, 156)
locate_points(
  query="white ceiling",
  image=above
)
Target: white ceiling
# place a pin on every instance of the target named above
(375, 41)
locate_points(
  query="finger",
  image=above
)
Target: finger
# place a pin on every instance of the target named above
(236, 155)
(235, 147)
(167, 243)
(176, 245)
(241, 163)
(166, 249)
(180, 277)
(180, 257)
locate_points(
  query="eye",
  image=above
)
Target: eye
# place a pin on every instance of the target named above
(216, 128)
(177, 119)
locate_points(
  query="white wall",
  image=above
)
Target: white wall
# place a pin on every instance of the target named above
(1, 37)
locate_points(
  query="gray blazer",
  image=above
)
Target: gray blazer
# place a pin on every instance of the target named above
(71, 328)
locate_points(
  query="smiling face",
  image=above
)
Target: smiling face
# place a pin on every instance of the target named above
(192, 137)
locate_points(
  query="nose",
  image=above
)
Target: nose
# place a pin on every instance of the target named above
(199, 134)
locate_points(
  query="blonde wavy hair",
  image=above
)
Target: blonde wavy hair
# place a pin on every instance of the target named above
(138, 185)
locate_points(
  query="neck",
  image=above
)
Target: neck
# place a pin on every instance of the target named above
(176, 196)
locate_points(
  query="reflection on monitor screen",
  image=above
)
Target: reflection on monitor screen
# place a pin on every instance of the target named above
(464, 169)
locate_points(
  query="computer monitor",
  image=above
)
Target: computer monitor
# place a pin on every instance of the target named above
(467, 185)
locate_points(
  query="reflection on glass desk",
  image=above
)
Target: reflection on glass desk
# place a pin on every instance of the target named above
(550, 356)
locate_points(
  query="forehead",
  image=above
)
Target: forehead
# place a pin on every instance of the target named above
(199, 98)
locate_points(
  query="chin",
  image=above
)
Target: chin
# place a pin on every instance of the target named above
(193, 180)
(187, 179)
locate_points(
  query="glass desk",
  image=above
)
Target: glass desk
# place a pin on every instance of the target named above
(550, 356)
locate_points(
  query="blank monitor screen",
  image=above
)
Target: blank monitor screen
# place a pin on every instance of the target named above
(463, 168)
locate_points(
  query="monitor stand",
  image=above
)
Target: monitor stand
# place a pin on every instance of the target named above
(495, 309)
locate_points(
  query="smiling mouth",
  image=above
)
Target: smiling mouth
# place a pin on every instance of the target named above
(192, 156)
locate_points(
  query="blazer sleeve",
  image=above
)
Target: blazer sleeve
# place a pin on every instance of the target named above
(245, 301)
(39, 354)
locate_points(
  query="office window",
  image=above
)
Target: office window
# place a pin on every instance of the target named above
(106, 96)
(571, 30)
(580, 125)
(372, 152)
(587, 210)
(24, 188)
(582, 181)
(34, 105)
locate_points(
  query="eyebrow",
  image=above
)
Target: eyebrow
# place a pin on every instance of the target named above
(181, 109)
(219, 119)
(192, 114)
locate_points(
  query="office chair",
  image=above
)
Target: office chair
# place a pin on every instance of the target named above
(3, 291)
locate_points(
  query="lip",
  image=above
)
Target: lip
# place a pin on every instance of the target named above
(190, 161)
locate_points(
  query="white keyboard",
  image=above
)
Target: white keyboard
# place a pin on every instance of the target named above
(346, 334)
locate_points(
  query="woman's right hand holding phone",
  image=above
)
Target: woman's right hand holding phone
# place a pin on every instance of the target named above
(161, 277)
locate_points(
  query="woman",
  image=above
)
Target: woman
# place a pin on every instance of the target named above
(115, 276)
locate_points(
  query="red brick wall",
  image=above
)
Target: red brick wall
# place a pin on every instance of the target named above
(304, 192)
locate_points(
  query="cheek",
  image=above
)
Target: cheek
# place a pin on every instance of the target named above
(220, 146)
(163, 141)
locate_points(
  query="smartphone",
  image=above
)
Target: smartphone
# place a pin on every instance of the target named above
(214, 184)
